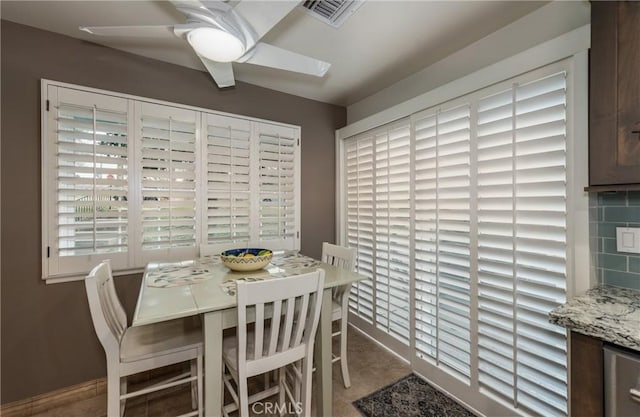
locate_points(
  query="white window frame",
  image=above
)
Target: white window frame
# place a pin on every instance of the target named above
(135, 259)
(571, 49)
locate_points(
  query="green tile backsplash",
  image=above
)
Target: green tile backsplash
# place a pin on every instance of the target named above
(606, 212)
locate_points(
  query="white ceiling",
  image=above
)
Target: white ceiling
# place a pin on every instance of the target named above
(380, 44)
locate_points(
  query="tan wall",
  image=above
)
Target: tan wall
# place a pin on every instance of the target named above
(47, 339)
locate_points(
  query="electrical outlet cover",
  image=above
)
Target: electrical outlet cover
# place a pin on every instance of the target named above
(628, 239)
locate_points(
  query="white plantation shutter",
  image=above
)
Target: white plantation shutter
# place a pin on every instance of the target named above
(522, 269)
(425, 240)
(377, 170)
(442, 241)
(89, 180)
(227, 187)
(135, 180)
(495, 185)
(489, 241)
(541, 243)
(277, 156)
(392, 217)
(168, 177)
(359, 179)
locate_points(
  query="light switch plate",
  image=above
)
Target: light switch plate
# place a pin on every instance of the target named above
(628, 239)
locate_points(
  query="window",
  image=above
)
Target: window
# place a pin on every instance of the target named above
(134, 180)
(466, 203)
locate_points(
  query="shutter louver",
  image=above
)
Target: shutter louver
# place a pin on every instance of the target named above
(92, 175)
(168, 178)
(442, 240)
(228, 180)
(276, 184)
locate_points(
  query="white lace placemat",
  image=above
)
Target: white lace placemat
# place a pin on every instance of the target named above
(229, 287)
(287, 265)
(193, 272)
(294, 262)
(183, 273)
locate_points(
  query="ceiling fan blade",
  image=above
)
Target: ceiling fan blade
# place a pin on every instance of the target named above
(212, 5)
(216, 5)
(221, 72)
(263, 15)
(128, 31)
(271, 56)
(209, 11)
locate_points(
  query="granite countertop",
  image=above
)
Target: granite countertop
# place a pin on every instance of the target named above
(604, 312)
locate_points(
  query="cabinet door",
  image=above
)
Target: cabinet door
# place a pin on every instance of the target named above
(614, 122)
(587, 376)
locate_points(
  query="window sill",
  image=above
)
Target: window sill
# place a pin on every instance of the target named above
(57, 279)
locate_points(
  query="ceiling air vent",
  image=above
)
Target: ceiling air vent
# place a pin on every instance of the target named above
(332, 12)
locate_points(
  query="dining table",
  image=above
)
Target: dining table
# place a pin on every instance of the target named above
(206, 287)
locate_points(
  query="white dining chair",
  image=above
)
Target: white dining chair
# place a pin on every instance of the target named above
(130, 350)
(277, 322)
(340, 257)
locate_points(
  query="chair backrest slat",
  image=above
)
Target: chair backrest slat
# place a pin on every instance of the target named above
(289, 318)
(259, 331)
(275, 327)
(301, 322)
(302, 295)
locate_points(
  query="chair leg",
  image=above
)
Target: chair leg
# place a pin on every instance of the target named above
(307, 370)
(297, 384)
(281, 393)
(344, 365)
(243, 395)
(200, 393)
(224, 413)
(194, 384)
(113, 394)
(123, 390)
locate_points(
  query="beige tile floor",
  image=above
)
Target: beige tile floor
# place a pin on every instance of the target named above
(371, 367)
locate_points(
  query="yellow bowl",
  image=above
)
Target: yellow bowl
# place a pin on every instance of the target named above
(237, 259)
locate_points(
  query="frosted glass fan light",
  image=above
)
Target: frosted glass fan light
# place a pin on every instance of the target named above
(215, 44)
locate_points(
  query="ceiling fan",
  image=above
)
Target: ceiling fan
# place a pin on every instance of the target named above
(220, 34)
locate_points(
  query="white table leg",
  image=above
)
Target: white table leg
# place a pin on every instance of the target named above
(324, 400)
(213, 363)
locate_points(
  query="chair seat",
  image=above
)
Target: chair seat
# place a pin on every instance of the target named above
(144, 342)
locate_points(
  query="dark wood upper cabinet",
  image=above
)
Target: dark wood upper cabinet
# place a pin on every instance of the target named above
(614, 96)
